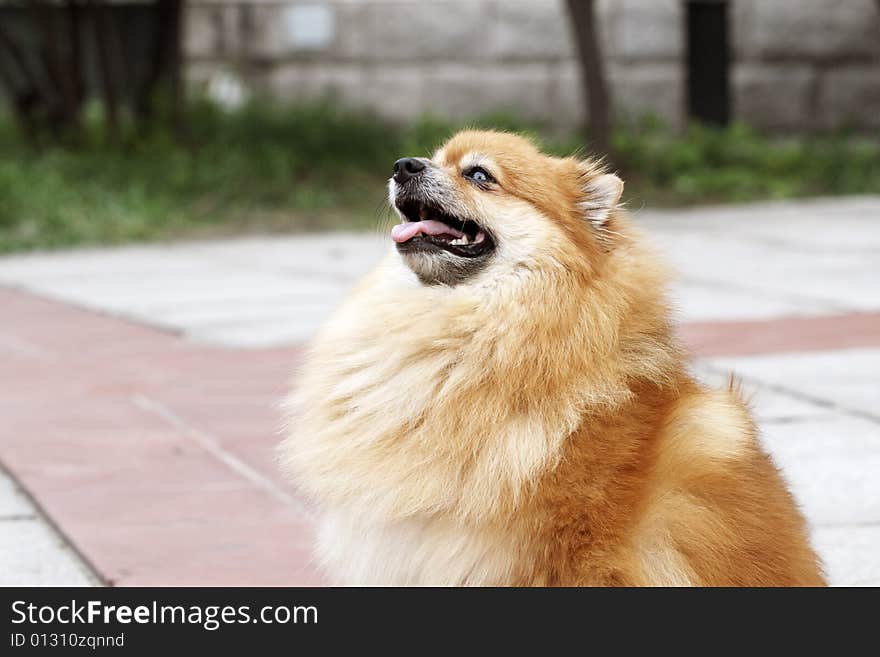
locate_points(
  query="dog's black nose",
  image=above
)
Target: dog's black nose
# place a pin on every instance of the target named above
(407, 167)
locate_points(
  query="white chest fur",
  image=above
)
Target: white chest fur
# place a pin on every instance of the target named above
(413, 552)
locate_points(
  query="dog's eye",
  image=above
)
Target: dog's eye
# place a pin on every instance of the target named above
(478, 175)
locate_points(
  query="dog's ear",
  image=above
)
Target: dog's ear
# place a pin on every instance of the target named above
(601, 195)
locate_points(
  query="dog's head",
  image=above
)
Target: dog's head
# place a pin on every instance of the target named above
(492, 203)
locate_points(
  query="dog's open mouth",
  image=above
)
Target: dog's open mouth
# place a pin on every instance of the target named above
(430, 229)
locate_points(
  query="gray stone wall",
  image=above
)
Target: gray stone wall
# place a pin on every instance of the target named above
(807, 64)
(798, 64)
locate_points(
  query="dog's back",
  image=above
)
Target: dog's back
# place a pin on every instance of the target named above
(680, 493)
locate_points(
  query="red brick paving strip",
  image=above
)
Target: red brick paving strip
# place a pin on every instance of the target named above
(106, 424)
(155, 456)
(787, 334)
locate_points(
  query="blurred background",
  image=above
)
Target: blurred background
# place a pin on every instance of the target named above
(188, 189)
(154, 119)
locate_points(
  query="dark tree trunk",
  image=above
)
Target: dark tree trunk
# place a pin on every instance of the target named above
(20, 85)
(583, 19)
(30, 98)
(164, 66)
(171, 40)
(64, 104)
(45, 81)
(108, 62)
(74, 59)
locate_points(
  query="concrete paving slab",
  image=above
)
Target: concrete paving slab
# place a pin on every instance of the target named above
(13, 503)
(769, 406)
(847, 380)
(32, 555)
(832, 465)
(819, 223)
(850, 554)
(283, 287)
(815, 252)
(713, 300)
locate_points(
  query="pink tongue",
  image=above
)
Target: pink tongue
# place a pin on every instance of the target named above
(406, 231)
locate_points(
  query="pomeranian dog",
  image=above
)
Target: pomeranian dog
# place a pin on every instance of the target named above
(503, 401)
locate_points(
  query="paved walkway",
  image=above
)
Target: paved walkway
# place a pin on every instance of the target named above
(758, 262)
(138, 387)
(32, 553)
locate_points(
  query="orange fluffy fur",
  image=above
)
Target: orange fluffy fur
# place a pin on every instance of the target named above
(535, 425)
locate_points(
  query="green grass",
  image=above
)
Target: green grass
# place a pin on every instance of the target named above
(737, 164)
(315, 167)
